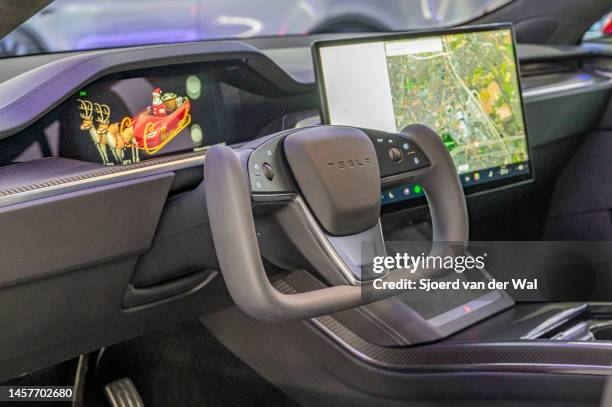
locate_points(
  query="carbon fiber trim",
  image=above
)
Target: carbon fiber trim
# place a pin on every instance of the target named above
(24, 181)
(524, 356)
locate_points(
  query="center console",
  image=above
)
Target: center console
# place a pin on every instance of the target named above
(583, 322)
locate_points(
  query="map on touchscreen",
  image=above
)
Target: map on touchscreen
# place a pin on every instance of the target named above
(462, 83)
(465, 86)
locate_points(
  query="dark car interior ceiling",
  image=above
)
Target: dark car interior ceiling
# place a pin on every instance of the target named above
(130, 248)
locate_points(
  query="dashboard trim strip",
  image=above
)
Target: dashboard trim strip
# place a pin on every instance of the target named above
(109, 175)
(545, 92)
(599, 370)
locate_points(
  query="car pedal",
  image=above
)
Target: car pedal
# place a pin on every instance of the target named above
(123, 393)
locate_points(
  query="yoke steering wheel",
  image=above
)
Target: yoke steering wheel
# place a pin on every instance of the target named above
(337, 173)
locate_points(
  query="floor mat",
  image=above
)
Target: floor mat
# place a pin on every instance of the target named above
(187, 366)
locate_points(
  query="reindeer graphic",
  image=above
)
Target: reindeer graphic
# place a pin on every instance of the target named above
(103, 119)
(121, 136)
(87, 110)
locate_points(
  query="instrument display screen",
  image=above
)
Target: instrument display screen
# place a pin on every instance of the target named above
(125, 118)
(128, 120)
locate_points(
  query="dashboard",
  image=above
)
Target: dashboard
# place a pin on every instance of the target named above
(100, 108)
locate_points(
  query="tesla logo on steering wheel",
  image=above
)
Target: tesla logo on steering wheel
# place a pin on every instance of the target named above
(348, 164)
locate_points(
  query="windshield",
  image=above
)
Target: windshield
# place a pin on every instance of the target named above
(69, 25)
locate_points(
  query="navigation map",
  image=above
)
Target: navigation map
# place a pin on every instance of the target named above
(465, 87)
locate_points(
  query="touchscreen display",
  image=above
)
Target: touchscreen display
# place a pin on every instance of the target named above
(463, 84)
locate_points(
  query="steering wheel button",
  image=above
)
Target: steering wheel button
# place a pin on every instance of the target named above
(395, 154)
(267, 171)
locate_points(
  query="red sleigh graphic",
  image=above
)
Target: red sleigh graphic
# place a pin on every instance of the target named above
(152, 132)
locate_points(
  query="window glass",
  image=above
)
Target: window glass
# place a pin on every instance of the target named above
(67, 25)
